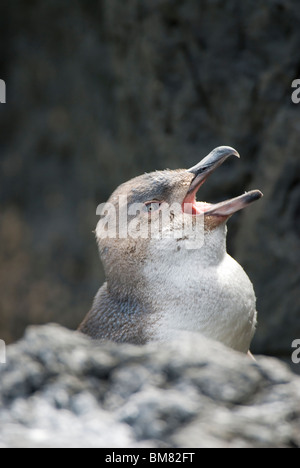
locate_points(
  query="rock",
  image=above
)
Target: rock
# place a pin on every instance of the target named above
(60, 389)
(99, 92)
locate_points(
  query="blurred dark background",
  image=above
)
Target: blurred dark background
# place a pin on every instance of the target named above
(99, 91)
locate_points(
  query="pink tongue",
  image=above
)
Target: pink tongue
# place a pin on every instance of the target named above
(195, 208)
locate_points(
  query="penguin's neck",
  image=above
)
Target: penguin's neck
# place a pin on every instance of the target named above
(214, 247)
(173, 269)
(202, 290)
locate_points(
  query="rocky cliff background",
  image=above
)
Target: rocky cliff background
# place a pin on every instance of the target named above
(100, 91)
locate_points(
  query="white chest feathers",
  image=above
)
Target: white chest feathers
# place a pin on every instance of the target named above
(204, 291)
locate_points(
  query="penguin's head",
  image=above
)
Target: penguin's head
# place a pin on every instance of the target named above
(161, 209)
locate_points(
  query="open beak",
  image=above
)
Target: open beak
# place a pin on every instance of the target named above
(202, 171)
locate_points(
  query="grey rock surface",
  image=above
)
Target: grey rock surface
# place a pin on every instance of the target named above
(101, 91)
(60, 389)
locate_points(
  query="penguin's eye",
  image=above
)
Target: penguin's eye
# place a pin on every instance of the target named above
(152, 206)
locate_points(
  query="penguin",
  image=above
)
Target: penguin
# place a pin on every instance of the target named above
(167, 269)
